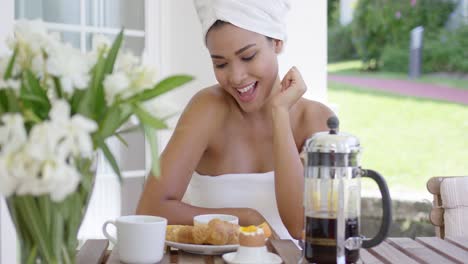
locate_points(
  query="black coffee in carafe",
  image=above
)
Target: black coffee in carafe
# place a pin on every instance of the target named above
(320, 242)
(332, 193)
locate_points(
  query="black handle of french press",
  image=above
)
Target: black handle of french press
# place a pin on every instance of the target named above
(386, 208)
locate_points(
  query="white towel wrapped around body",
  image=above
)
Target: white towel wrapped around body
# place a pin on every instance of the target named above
(238, 190)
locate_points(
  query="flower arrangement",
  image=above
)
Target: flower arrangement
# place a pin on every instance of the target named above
(57, 108)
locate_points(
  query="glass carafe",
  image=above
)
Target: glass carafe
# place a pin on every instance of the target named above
(332, 198)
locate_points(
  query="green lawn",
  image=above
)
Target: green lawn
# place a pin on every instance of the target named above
(408, 140)
(353, 68)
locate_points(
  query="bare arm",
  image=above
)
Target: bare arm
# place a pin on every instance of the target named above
(289, 171)
(289, 179)
(162, 196)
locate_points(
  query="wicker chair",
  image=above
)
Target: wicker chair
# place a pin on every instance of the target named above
(449, 212)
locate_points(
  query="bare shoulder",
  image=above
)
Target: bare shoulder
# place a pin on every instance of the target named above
(211, 101)
(313, 116)
(205, 112)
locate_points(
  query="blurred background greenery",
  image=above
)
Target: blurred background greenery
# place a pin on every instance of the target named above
(407, 139)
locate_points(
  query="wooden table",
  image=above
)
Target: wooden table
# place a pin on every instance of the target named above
(393, 250)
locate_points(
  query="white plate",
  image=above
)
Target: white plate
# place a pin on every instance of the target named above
(270, 258)
(203, 249)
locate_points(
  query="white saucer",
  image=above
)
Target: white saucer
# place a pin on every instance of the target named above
(270, 258)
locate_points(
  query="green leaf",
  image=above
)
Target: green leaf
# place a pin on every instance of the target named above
(90, 100)
(17, 218)
(12, 102)
(93, 104)
(115, 116)
(30, 116)
(33, 86)
(122, 140)
(3, 101)
(58, 87)
(34, 99)
(27, 207)
(66, 254)
(163, 86)
(97, 91)
(11, 64)
(110, 158)
(74, 212)
(57, 233)
(147, 119)
(76, 100)
(32, 255)
(45, 210)
(113, 52)
(151, 137)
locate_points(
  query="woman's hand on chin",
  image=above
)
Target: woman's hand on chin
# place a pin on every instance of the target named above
(291, 90)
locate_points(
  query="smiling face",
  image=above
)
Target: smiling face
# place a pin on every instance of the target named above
(245, 64)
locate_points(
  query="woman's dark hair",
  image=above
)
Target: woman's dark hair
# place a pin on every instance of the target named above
(219, 23)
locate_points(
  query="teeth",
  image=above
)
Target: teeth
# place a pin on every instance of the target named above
(246, 89)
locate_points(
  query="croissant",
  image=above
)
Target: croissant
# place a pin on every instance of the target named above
(222, 233)
(180, 234)
(216, 232)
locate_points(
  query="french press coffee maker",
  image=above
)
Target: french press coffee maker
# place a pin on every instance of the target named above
(332, 198)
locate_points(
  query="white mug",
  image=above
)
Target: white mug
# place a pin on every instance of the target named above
(140, 238)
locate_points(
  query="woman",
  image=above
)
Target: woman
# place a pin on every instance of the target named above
(246, 131)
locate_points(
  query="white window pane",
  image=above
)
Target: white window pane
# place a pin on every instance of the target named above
(134, 44)
(56, 11)
(71, 37)
(116, 13)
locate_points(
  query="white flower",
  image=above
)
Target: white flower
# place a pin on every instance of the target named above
(55, 177)
(60, 112)
(38, 65)
(10, 84)
(76, 139)
(50, 151)
(12, 133)
(61, 179)
(71, 66)
(143, 77)
(44, 141)
(32, 34)
(126, 62)
(100, 42)
(128, 78)
(115, 84)
(161, 108)
(16, 169)
(8, 182)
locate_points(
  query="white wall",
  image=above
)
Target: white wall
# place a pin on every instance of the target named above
(182, 49)
(7, 233)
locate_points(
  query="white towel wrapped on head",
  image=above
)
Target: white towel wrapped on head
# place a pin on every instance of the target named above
(266, 17)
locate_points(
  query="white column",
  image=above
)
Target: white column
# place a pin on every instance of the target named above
(306, 47)
(7, 231)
